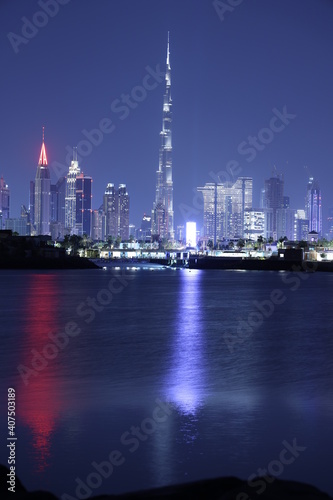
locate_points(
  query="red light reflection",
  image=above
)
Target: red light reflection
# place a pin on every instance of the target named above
(40, 402)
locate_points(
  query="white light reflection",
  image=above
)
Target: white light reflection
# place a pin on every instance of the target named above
(186, 380)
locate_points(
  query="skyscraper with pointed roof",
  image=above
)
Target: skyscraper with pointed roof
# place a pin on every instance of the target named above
(42, 194)
(162, 213)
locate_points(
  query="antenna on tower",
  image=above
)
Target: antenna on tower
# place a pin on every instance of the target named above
(75, 153)
(308, 171)
(43, 133)
(168, 51)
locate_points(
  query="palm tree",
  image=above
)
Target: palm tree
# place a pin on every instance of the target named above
(260, 241)
(240, 243)
(111, 240)
(282, 239)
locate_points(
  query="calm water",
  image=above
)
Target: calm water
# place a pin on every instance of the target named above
(169, 336)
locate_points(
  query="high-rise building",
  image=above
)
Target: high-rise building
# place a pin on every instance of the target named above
(70, 200)
(61, 199)
(83, 191)
(301, 226)
(18, 226)
(123, 212)
(144, 232)
(273, 197)
(268, 231)
(224, 208)
(53, 203)
(329, 224)
(132, 231)
(110, 209)
(4, 201)
(98, 224)
(313, 209)
(42, 194)
(162, 213)
(254, 223)
(116, 209)
(240, 195)
(213, 210)
(57, 209)
(32, 203)
(286, 202)
(285, 223)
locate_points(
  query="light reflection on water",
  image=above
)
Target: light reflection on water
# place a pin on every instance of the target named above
(186, 381)
(40, 400)
(163, 338)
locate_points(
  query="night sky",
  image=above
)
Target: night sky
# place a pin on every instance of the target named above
(227, 77)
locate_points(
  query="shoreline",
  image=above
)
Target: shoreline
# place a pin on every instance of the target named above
(40, 263)
(208, 262)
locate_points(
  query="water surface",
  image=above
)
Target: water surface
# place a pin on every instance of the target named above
(235, 392)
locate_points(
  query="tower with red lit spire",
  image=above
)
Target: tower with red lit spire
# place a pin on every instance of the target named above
(42, 194)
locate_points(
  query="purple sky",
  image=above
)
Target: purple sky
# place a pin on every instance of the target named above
(227, 77)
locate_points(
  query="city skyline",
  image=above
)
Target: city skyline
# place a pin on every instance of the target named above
(228, 210)
(215, 120)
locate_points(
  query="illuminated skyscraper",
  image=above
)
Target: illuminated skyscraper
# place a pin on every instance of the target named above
(70, 200)
(273, 197)
(224, 208)
(83, 205)
(4, 201)
(32, 203)
(42, 194)
(110, 210)
(162, 213)
(313, 206)
(123, 212)
(61, 200)
(116, 209)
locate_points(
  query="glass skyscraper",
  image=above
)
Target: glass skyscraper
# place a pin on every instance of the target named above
(116, 209)
(224, 208)
(313, 206)
(4, 201)
(83, 192)
(70, 200)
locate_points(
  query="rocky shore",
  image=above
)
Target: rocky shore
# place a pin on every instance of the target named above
(228, 488)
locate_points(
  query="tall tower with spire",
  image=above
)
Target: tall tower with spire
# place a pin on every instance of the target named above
(42, 194)
(162, 213)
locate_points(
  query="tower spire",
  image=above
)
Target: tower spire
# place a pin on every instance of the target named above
(42, 156)
(162, 213)
(168, 52)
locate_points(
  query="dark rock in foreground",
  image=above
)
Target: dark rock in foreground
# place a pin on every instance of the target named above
(229, 488)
